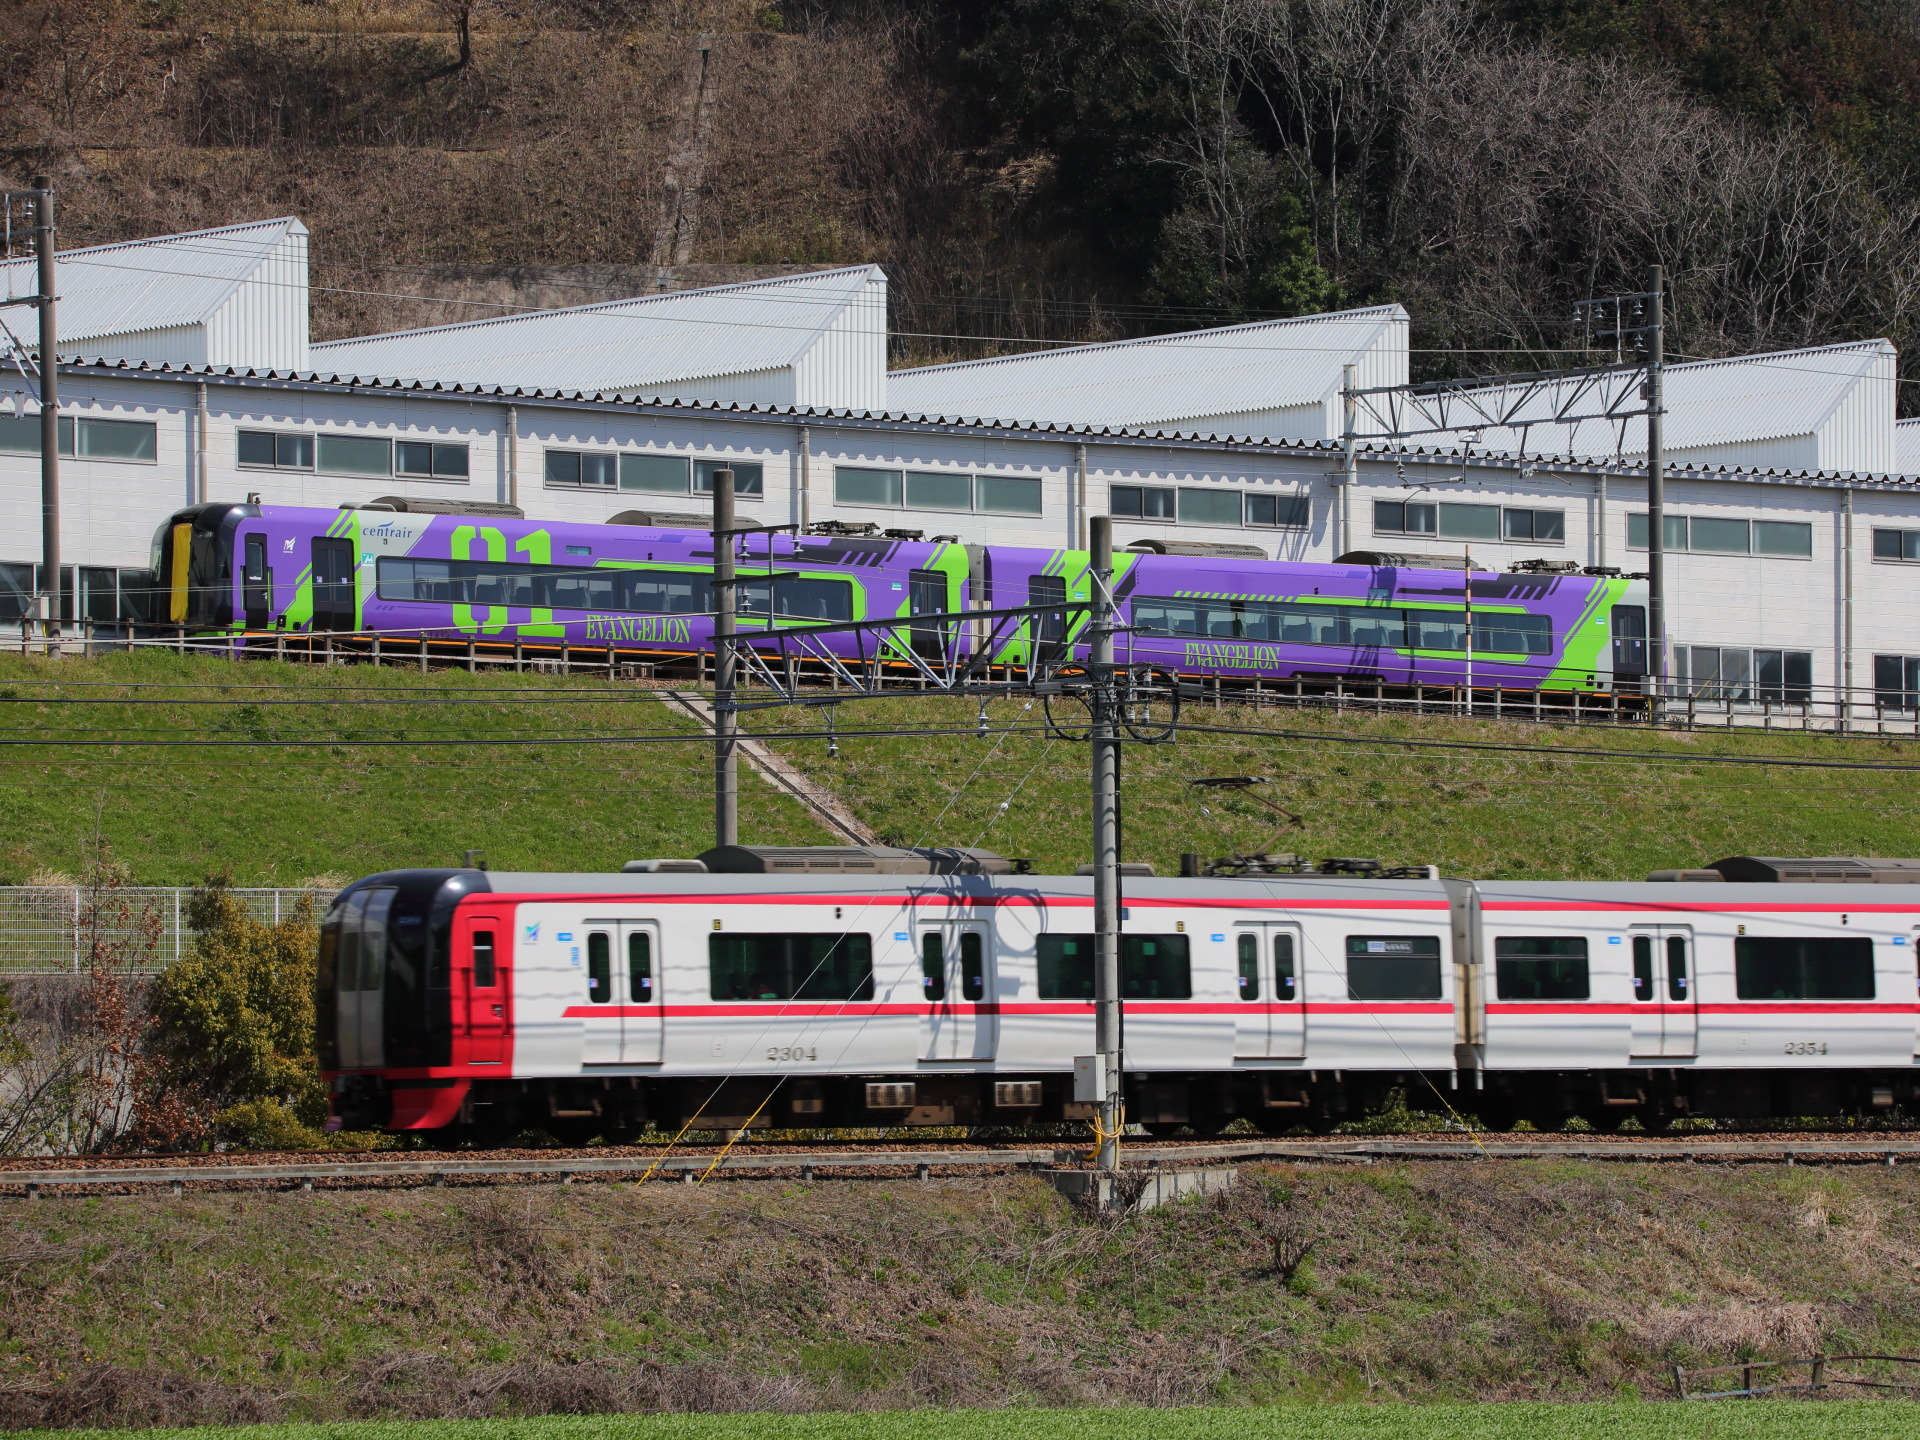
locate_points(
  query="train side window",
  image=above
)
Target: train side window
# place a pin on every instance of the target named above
(1393, 967)
(640, 968)
(1788, 968)
(484, 974)
(1152, 967)
(1541, 967)
(790, 967)
(1643, 967)
(1677, 982)
(599, 967)
(1286, 986)
(349, 943)
(1249, 947)
(973, 965)
(933, 966)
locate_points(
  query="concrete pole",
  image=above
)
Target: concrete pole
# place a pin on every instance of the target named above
(726, 755)
(1105, 737)
(49, 404)
(1657, 481)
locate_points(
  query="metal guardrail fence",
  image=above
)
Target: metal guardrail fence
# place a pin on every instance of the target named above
(1732, 703)
(51, 929)
(1778, 1374)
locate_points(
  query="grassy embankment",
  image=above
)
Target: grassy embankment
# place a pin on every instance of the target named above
(277, 815)
(1494, 813)
(1503, 1281)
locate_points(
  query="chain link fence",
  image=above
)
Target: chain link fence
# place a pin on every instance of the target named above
(51, 929)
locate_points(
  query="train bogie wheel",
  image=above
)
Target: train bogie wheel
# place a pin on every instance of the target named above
(1162, 1127)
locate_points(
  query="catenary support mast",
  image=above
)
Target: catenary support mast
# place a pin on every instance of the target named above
(1105, 737)
(726, 720)
(1656, 479)
(49, 404)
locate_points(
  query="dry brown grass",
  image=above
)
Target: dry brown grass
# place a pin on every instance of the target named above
(1501, 1280)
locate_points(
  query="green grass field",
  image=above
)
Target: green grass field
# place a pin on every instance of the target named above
(1490, 813)
(1856, 1420)
(459, 777)
(462, 772)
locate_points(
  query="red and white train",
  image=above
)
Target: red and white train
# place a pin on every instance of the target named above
(833, 987)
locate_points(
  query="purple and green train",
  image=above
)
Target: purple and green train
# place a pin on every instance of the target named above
(644, 590)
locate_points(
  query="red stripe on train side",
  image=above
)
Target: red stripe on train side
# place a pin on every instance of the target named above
(1704, 908)
(1037, 902)
(865, 1009)
(1748, 1008)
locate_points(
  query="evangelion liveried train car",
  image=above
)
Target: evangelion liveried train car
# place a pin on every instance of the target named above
(875, 987)
(643, 589)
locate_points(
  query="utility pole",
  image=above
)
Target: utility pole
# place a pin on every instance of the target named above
(1105, 737)
(1349, 456)
(726, 721)
(1656, 480)
(49, 403)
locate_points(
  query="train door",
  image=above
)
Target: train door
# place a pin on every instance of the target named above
(485, 979)
(600, 1043)
(333, 607)
(1272, 1021)
(927, 595)
(640, 1019)
(256, 583)
(1666, 1013)
(1049, 629)
(956, 982)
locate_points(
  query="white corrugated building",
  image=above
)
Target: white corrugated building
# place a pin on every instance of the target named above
(1827, 408)
(1279, 379)
(1792, 492)
(232, 296)
(818, 339)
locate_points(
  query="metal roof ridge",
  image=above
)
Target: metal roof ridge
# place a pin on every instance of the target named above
(598, 305)
(1125, 433)
(1389, 311)
(290, 221)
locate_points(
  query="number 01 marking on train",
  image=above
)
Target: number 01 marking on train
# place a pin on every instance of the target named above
(793, 1052)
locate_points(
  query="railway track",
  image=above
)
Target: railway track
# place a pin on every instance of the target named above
(687, 1166)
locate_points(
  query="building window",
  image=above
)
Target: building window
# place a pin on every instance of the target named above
(82, 437)
(1715, 535)
(1286, 512)
(1141, 502)
(1743, 677)
(1896, 681)
(353, 455)
(937, 490)
(267, 449)
(350, 455)
(1550, 525)
(1447, 521)
(749, 480)
(1896, 544)
(1192, 505)
(428, 460)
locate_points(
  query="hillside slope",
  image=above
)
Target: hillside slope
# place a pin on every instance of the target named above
(543, 773)
(380, 769)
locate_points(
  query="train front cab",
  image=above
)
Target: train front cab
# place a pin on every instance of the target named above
(403, 1014)
(193, 565)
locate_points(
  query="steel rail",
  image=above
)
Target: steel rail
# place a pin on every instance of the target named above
(439, 1169)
